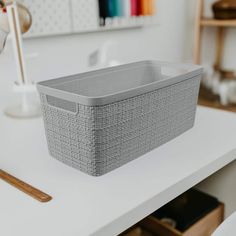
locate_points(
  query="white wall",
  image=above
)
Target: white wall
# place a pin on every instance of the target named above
(68, 54)
(208, 43)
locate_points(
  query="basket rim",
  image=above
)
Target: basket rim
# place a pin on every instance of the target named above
(189, 71)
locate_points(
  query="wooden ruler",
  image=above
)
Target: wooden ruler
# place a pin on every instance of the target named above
(24, 187)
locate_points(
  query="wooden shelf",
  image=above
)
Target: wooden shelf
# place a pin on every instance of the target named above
(200, 23)
(217, 23)
(216, 104)
(208, 99)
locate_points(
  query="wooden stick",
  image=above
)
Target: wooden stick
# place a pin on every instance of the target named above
(219, 48)
(16, 37)
(24, 187)
(198, 32)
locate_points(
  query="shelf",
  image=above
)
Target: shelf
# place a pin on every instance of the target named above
(214, 22)
(208, 99)
(216, 105)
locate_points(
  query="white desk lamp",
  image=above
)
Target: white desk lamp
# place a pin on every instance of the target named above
(26, 104)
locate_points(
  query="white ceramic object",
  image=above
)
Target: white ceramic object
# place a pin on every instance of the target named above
(225, 89)
(25, 102)
(227, 92)
(211, 79)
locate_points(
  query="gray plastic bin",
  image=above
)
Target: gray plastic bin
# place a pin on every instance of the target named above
(100, 120)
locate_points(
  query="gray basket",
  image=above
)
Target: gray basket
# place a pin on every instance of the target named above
(100, 120)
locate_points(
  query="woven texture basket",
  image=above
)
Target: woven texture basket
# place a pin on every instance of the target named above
(98, 139)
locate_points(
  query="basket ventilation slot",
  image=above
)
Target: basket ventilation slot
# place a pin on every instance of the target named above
(60, 103)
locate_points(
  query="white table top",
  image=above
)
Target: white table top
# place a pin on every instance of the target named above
(104, 206)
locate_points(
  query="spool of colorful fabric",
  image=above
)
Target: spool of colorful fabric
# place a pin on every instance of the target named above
(126, 10)
(111, 8)
(134, 7)
(118, 8)
(151, 7)
(145, 7)
(103, 8)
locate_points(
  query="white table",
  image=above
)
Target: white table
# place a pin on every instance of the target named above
(104, 206)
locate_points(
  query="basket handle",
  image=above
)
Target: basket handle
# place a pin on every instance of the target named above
(61, 104)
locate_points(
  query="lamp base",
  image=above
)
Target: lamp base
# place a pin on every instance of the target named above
(25, 103)
(19, 112)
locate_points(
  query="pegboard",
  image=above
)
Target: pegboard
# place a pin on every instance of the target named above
(50, 17)
(85, 15)
(56, 17)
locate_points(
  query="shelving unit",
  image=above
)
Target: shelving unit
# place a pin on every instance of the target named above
(217, 23)
(216, 104)
(221, 26)
(202, 22)
(208, 99)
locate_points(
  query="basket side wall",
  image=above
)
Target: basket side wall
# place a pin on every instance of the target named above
(99, 139)
(130, 128)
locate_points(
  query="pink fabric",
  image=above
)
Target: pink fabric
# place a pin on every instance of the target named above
(134, 7)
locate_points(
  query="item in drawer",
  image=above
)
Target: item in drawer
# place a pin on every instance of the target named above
(188, 208)
(203, 227)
